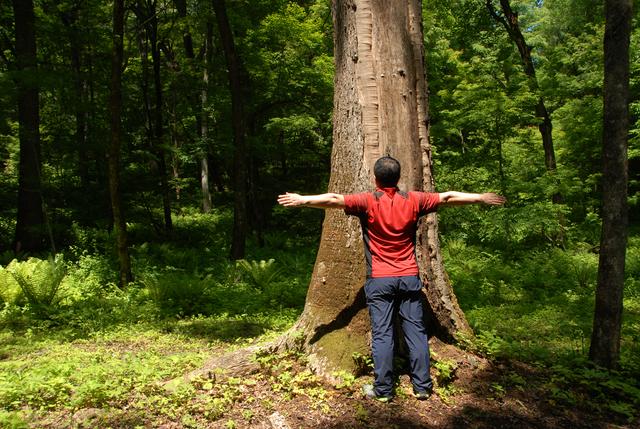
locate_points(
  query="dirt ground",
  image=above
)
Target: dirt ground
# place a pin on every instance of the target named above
(482, 395)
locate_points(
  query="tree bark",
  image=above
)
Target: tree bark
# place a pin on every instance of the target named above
(380, 108)
(607, 322)
(115, 107)
(236, 83)
(509, 20)
(29, 234)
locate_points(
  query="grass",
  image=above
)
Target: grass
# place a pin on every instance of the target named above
(121, 367)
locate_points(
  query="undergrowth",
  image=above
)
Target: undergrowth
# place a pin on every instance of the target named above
(77, 341)
(537, 306)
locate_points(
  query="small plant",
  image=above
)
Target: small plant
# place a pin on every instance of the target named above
(343, 379)
(39, 280)
(498, 391)
(362, 415)
(259, 273)
(363, 363)
(446, 371)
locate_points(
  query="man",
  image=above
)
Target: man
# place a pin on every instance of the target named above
(389, 220)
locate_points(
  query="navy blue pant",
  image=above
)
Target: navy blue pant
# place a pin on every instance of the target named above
(385, 297)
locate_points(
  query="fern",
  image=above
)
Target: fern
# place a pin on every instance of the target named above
(9, 288)
(39, 280)
(259, 273)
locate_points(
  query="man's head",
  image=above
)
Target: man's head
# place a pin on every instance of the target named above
(387, 172)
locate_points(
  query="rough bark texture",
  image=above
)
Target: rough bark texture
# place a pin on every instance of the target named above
(607, 323)
(235, 72)
(115, 106)
(380, 108)
(29, 235)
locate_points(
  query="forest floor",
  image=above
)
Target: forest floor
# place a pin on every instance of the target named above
(284, 394)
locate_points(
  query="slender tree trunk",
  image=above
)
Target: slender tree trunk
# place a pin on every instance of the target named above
(236, 83)
(158, 116)
(175, 137)
(380, 107)
(70, 20)
(204, 121)
(148, 19)
(115, 107)
(29, 236)
(607, 322)
(509, 19)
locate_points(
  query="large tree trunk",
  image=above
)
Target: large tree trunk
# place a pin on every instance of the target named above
(115, 107)
(509, 19)
(607, 322)
(380, 107)
(29, 236)
(236, 77)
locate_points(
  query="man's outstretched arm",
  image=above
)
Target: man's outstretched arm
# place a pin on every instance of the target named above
(322, 201)
(453, 198)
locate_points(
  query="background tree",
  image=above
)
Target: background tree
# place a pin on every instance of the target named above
(29, 233)
(607, 322)
(115, 107)
(509, 20)
(237, 85)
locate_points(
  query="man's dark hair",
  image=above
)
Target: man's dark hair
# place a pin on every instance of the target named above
(387, 171)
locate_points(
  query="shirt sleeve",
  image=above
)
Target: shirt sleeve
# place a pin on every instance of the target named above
(427, 202)
(355, 204)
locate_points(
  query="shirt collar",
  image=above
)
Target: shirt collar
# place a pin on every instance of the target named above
(389, 191)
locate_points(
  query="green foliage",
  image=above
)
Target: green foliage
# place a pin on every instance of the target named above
(80, 375)
(12, 420)
(179, 293)
(10, 291)
(39, 280)
(260, 274)
(363, 364)
(287, 374)
(343, 379)
(604, 390)
(446, 370)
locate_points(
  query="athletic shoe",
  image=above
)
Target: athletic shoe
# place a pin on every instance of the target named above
(422, 396)
(370, 393)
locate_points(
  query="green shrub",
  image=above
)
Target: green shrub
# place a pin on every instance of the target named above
(260, 274)
(39, 280)
(178, 293)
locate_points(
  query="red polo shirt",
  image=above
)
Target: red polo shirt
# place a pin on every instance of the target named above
(389, 218)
